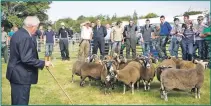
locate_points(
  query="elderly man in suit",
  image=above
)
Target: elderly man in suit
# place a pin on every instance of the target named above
(22, 69)
(99, 32)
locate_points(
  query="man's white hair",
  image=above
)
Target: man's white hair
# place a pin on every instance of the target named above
(31, 21)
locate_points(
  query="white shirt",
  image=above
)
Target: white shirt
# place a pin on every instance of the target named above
(107, 37)
(86, 33)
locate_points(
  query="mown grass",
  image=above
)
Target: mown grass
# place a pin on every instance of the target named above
(48, 92)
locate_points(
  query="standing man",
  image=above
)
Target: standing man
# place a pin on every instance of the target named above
(207, 34)
(22, 69)
(40, 37)
(199, 41)
(146, 32)
(4, 44)
(99, 32)
(63, 42)
(117, 38)
(108, 39)
(131, 39)
(165, 29)
(176, 38)
(86, 36)
(49, 42)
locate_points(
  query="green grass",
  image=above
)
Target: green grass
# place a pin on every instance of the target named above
(48, 92)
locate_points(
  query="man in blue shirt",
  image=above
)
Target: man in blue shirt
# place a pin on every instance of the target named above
(49, 39)
(165, 29)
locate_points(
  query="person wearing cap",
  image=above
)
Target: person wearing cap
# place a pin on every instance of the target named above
(117, 38)
(187, 41)
(108, 39)
(4, 44)
(86, 36)
(63, 42)
(165, 29)
(147, 31)
(99, 32)
(49, 42)
(23, 65)
(199, 41)
(131, 31)
(176, 38)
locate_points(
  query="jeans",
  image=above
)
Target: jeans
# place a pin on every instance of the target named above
(187, 51)
(48, 49)
(174, 46)
(199, 44)
(116, 47)
(162, 46)
(146, 48)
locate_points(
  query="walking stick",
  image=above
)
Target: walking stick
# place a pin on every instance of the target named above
(59, 84)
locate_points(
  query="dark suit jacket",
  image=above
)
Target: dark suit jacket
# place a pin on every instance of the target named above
(99, 33)
(24, 62)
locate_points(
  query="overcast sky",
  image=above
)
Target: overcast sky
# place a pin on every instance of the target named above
(73, 9)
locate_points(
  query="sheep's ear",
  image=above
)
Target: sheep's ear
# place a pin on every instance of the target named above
(195, 61)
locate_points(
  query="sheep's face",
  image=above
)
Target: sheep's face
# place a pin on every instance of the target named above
(110, 67)
(123, 59)
(204, 64)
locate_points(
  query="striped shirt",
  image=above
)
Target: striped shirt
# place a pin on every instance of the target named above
(188, 34)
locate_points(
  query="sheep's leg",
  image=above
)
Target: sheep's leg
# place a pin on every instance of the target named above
(166, 97)
(72, 78)
(162, 92)
(148, 88)
(195, 91)
(132, 88)
(145, 87)
(124, 88)
(90, 80)
(82, 81)
(137, 84)
(198, 93)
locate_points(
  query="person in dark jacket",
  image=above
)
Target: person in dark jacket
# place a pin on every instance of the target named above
(99, 32)
(63, 42)
(22, 69)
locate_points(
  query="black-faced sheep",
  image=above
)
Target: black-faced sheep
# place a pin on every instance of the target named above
(182, 79)
(147, 73)
(103, 72)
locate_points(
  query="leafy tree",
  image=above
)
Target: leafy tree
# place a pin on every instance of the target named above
(151, 15)
(16, 11)
(192, 12)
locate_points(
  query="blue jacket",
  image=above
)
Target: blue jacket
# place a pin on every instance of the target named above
(165, 29)
(24, 61)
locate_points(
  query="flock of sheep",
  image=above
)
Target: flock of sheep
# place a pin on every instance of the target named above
(173, 74)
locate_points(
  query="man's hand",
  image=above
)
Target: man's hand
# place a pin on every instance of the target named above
(48, 63)
(142, 40)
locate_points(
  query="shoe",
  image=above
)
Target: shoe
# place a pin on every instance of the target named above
(68, 59)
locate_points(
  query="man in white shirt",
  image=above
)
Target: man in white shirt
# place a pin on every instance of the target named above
(107, 39)
(86, 36)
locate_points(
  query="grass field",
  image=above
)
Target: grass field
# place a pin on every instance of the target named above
(48, 92)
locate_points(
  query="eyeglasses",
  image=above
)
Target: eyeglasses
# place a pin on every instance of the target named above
(199, 20)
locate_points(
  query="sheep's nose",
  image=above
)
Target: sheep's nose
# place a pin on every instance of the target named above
(148, 65)
(108, 78)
